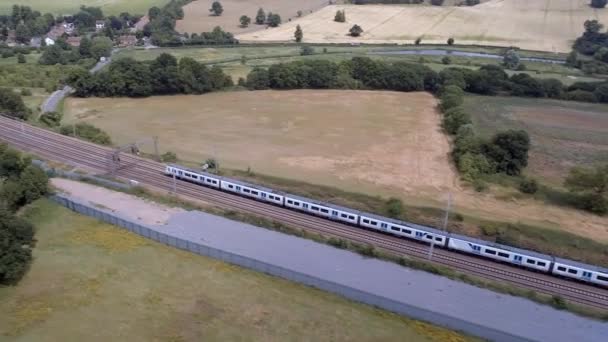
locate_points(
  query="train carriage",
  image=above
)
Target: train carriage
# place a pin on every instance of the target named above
(579, 271)
(194, 176)
(253, 191)
(512, 255)
(327, 210)
(402, 229)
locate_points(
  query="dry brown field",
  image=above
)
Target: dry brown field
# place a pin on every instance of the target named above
(548, 25)
(379, 143)
(197, 17)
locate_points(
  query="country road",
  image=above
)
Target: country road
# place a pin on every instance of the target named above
(52, 102)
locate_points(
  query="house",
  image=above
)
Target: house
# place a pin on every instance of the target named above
(68, 27)
(100, 25)
(74, 41)
(49, 41)
(10, 38)
(35, 42)
(56, 32)
(139, 26)
(127, 40)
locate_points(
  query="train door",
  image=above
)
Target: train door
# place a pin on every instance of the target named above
(384, 226)
(334, 214)
(517, 259)
(586, 275)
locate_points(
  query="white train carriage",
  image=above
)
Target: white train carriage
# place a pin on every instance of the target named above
(402, 229)
(199, 177)
(327, 210)
(486, 249)
(579, 271)
(253, 191)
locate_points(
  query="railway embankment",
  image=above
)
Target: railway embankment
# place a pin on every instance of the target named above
(415, 294)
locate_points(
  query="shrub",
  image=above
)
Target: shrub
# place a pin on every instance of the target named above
(356, 30)
(446, 60)
(87, 132)
(26, 92)
(21, 59)
(558, 302)
(307, 50)
(169, 157)
(450, 41)
(528, 186)
(394, 207)
(454, 118)
(418, 41)
(51, 119)
(479, 185)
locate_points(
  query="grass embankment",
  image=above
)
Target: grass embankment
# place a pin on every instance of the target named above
(85, 268)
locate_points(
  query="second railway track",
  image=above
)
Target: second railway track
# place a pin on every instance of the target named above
(149, 173)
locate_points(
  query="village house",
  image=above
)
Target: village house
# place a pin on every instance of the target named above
(100, 25)
(74, 41)
(68, 27)
(139, 26)
(127, 40)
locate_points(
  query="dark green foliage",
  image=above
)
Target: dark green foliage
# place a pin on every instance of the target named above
(51, 119)
(12, 104)
(593, 43)
(216, 8)
(509, 150)
(257, 79)
(394, 208)
(592, 185)
(273, 20)
(601, 93)
(164, 75)
(355, 31)
(298, 34)
(87, 132)
(446, 60)
(260, 17)
(169, 157)
(526, 85)
(340, 16)
(451, 96)
(21, 58)
(418, 41)
(26, 92)
(511, 59)
(244, 20)
(454, 118)
(450, 42)
(558, 302)
(16, 238)
(528, 186)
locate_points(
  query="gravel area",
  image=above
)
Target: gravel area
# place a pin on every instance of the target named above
(143, 211)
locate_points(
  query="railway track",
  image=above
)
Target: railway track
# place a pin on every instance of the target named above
(97, 158)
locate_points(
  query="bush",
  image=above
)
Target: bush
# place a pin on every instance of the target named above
(51, 119)
(169, 157)
(355, 31)
(307, 50)
(454, 118)
(558, 302)
(594, 203)
(21, 59)
(479, 185)
(450, 41)
(394, 207)
(26, 92)
(87, 132)
(528, 186)
(446, 60)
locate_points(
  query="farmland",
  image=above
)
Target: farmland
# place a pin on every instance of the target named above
(71, 6)
(197, 17)
(377, 143)
(564, 134)
(86, 275)
(548, 25)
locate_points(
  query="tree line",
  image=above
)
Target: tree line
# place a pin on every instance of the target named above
(21, 183)
(163, 76)
(594, 44)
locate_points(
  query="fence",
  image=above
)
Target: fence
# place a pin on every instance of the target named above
(250, 263)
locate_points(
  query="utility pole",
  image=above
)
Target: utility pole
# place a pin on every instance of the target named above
(74, 129)
(174, 185)
(156, 149)
(445, 224)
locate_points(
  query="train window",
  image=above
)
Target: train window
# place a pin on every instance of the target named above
(490, 251)
(365, 221)
(504, 255)
(297, 204)
(541, 264)
(602, 278)
(476, 248)
(374, 223)
(314, 208)
(324, 211)
(438, 239)
(572, 271)
(561, 268)
(289, 202)
(351, 217)
(383, 225)
(407, 231)
(344, 215)
(397, 229)
(214, 182)
(530, 261)
(419, 234)
(230, 186)
(246, 190)
(335, 213)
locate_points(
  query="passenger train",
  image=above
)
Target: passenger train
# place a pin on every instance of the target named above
(485, 249)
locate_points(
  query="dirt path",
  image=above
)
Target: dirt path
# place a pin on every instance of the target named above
(130, 206)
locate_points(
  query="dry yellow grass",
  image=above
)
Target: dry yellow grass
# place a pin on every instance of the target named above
(549, 25)
(197, 17)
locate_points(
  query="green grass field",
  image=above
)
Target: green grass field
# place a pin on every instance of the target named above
(71, 6)
(96, 282)
(564, 133)
(230, 58)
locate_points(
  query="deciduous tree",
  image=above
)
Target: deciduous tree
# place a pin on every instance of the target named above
(298, 34)
(216, 8)
(245, 21)
(355, 31)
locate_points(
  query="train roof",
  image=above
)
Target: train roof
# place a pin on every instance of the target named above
(404, 223)
(325, 204)
(501, 246)
(582, 265)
